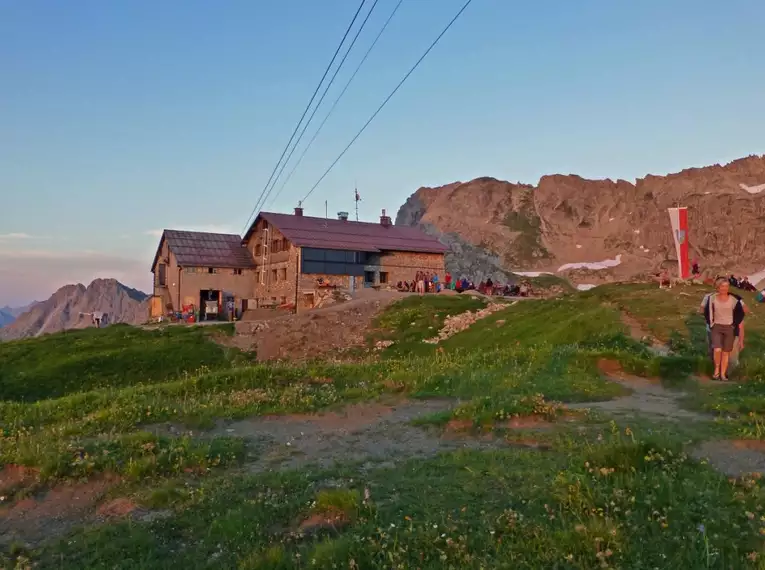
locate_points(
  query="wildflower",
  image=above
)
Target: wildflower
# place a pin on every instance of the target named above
(752, 556)
(749, 515)
(701, 528)
(569, 557)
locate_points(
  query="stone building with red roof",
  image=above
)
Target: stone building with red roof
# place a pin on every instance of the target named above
(289, 260)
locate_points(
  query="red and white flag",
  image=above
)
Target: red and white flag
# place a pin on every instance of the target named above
(678, 217)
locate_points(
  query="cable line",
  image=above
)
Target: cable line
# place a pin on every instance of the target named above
(331, 110)
(326, 71)
(316, 108)
(388, 98)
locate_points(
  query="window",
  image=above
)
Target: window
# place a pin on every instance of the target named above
(258, 250)
(333, 261)
(282, 275)
(162, 275)
(237, 271)
(257, 277)
(284, 300)
(383, 277)
(369, 277)
(189, 269)
(212, 270)
(273, 277)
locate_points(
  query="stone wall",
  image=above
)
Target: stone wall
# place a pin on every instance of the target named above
(403, 266)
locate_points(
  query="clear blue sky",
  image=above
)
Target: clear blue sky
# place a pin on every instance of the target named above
(122, 117)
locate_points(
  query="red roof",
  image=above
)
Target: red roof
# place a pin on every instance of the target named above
(202, 249)
(305, 231)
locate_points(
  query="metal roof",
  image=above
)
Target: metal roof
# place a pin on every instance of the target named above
(306, 231)
(202, 249)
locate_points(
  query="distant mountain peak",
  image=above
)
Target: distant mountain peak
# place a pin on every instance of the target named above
(70, 306)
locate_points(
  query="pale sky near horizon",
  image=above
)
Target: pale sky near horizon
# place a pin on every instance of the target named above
(120, 118)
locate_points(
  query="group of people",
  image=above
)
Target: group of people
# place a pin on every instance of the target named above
(425, 282)
(742, 283)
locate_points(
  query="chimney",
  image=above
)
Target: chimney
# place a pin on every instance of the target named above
(385, 220)
(298, 211)
(342, 216)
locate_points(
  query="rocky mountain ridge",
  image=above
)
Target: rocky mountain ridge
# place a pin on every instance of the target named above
(71, 307)
(594, 231)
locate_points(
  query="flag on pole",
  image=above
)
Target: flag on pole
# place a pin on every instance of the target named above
(358, 198)
(678, 217)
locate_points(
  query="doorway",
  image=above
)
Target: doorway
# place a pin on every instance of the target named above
(209, 304)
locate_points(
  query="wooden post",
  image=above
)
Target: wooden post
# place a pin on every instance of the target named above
(297, 277)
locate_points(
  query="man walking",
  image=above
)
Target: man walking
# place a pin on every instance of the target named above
(724, 314)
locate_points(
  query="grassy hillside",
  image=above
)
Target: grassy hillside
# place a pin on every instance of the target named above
(80, 360)
(496, 464)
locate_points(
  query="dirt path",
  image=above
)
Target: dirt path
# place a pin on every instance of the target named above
(369, 433)
(640, 334)
(648, 397)
(733, 457)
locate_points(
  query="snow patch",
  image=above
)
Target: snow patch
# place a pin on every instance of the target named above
(578, 246)
(532, 273)
(753, 189)
(605, 264)
(755, 278)
(585, 286)
(611, 219)
(637, 231)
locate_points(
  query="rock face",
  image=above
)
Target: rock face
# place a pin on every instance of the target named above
(71, 307)
(494, 226)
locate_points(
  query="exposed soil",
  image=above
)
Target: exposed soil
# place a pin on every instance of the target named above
(527, 422)
(13, 477)
(54, 512)
(120, 507)
(330, 519)
(315, 333)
